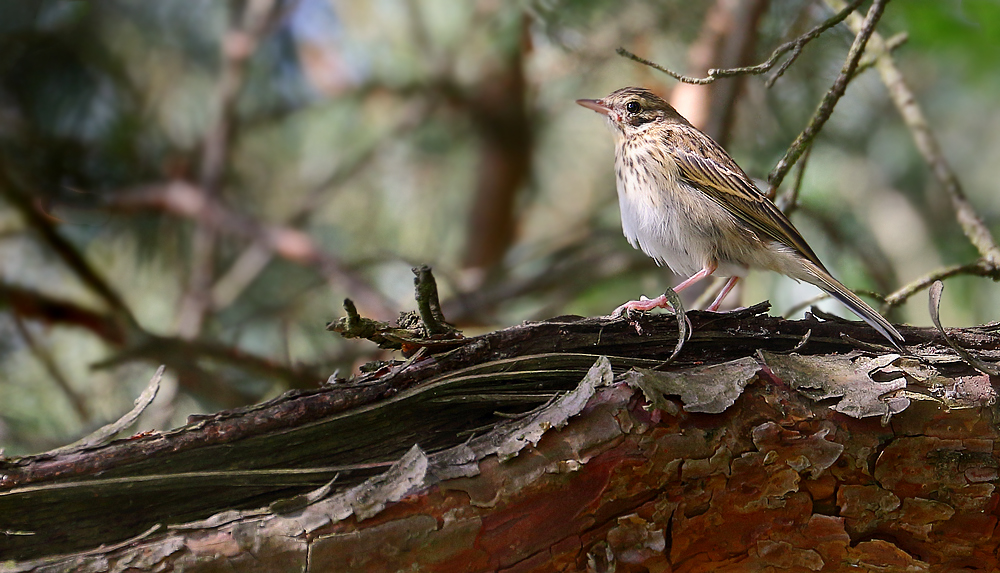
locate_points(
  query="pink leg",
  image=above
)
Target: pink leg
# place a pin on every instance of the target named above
(695, 278)
(722, 294)
(661, 301)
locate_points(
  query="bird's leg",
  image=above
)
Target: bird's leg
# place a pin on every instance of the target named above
(661, 301)
(722, 294)
(707, 271)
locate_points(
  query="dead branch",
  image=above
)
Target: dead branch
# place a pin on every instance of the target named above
(738, 430)
(833, 95)
(238, 45)
(972, 225)
(183, 199)
(795, 46)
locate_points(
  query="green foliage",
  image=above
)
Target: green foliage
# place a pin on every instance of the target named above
(963, 33)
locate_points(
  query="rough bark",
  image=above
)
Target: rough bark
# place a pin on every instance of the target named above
(740, 455)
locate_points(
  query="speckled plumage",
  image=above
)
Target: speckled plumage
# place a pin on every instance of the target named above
(687, 204)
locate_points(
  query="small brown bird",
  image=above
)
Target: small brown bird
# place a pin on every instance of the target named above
(686, 204)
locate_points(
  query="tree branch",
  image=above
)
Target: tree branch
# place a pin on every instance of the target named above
(238, 44)
(979, 268)
(48, 362)
(13, 190)
(972, 225)
(249, 264)
(795, 46)
(183, 199)
(825, 109)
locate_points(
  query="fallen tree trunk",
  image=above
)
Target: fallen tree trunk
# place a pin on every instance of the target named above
(560, 445)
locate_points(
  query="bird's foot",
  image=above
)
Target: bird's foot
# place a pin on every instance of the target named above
(642, 304)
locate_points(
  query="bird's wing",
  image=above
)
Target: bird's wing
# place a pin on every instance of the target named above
(721, 179)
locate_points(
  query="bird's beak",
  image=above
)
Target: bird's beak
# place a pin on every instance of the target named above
(596, 105)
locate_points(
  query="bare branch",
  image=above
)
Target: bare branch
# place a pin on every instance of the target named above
(972, 225)
(137, 344)
(18, 196)
(252, 261)
(795, 46)
(789, 201)
(830, 100)
(44, 356)
(238, 44)
(26, 303)
(183, 199)
(871, 54)
(980, 268)
(107, 432)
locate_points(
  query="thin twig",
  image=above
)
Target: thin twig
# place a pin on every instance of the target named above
(872, 53)
(802, 342)
(356, 326)
(789, 201)
(183, 199)
(825, 109)
(972, 225)
(27, 303)
(683, 325)
(980, 268)
(795, 46)
(254, 259)
(45, 357)
(784, 66)
(238, 44)
(17, 194)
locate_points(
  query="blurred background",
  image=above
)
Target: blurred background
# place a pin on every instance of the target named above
(200, 184)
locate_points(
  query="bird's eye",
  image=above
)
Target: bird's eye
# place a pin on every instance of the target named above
(633, 107)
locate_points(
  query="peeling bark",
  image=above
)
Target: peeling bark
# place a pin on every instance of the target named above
(738, 456)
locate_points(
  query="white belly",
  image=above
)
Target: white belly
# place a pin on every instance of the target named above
(673, 223)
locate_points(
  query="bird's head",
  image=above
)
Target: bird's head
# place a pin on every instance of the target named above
(631, 111)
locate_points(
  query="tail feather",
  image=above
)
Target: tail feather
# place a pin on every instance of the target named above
(834, 288)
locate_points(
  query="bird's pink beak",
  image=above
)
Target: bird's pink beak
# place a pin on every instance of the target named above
(596, 105)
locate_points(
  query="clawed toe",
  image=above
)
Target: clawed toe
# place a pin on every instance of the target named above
(643, 304)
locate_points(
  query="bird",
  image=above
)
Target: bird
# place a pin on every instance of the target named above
(687, 204)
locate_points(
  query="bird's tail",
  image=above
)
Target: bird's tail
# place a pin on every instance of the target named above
(834, 288)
